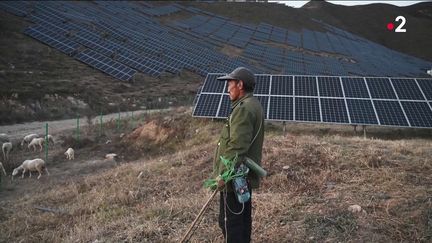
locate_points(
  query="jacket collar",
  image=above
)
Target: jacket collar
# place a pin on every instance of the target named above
(235, 103)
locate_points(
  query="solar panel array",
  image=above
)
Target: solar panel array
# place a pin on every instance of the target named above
(51, 38)
(105, 64)
(397, 102)
(121, 32)
(132, 34)
(335, 52)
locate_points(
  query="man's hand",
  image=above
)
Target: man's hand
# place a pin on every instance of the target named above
(220, 183)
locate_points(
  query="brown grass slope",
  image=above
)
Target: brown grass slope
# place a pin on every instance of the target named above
(325, 172)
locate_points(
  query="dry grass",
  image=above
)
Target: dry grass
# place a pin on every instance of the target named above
(307, 201)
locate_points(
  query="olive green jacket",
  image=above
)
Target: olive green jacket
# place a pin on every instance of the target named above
(245, 124)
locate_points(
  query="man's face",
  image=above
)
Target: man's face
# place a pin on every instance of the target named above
(233, 89)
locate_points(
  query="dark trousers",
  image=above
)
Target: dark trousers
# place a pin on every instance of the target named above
(238, 227)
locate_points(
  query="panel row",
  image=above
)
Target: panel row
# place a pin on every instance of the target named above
(328, 110)
(52, 39)
(105, 64)
(324, 86)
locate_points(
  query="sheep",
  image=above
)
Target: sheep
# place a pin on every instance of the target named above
(355, 208)
(50, 139)
(4, 138)
(34, 142)
(27, 139)
(31, 165)
(4, 171)
(111, 156)
(6, 148)
(70, 154)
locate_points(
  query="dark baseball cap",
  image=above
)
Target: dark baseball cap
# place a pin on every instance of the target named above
(240, 73)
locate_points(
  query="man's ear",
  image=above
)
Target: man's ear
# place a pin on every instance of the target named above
(241, 84)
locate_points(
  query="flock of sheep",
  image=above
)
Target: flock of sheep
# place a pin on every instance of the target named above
(32, 141)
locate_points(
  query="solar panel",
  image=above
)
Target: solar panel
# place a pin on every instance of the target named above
(342, 100)
(13, 7)
(212, 85)
(307, 109)
(262, 84)
(106, 64)
(426, 86)
(207, 105)
(145, 65)
(281, 108)
(334, 110)
(305, 86)
(380, 88)
(282, 85)
(390, 113)
(225, 107)
(355, 87)
(361, 111)
(52, 39)
(419, 114)
(407, 89)
(264, 103)
(329, 87)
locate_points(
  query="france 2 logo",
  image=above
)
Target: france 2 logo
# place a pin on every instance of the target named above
(399, 28)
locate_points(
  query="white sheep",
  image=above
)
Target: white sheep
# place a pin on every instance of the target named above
(70, 154)
(4, 138)
(31, 165)
(4, 171)
(28, 138)
(111, 156)
(50, 139)
(6, 148)
(36, 141)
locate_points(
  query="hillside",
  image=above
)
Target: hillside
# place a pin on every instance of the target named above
(368, 21)
(155, 190)
(41, 83)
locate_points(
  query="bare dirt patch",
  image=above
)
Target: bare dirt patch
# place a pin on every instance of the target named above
(231, 51)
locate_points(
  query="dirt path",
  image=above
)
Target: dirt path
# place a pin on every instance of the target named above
(18, 131)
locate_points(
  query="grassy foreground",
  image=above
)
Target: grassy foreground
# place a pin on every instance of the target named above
(315, 174)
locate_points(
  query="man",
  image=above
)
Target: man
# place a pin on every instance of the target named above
(242, 135)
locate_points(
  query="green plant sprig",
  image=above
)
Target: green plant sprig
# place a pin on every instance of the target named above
(228, 174)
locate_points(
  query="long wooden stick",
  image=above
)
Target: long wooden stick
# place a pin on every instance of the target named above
(203, 209)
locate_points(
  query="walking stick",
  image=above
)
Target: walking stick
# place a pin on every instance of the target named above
(203, 209)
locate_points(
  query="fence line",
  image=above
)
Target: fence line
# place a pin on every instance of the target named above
(18, 131)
